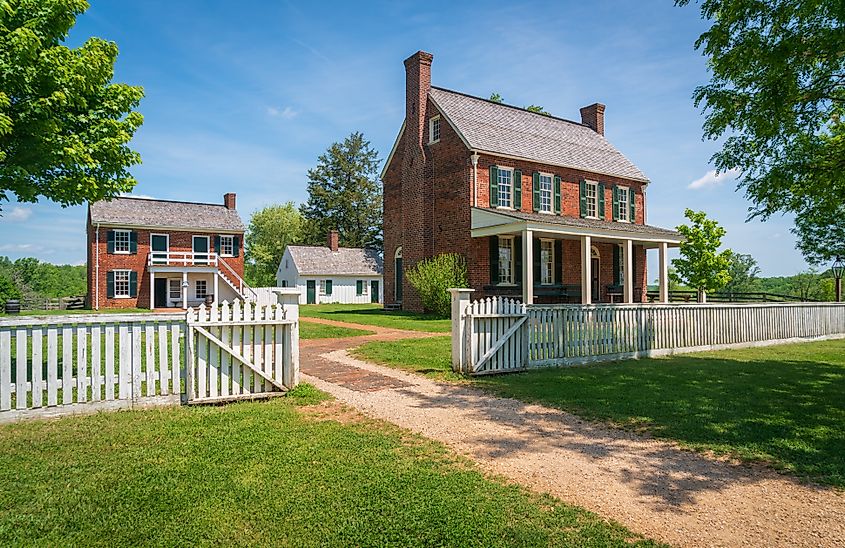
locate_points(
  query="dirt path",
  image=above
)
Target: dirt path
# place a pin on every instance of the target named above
(651, 486)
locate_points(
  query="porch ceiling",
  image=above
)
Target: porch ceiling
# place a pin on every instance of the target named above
(493, 222)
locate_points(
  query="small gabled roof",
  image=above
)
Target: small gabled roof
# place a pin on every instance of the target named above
(499, 129)
(143, 212)
(346, 261)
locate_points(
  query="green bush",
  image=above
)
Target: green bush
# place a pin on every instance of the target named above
(433, 277)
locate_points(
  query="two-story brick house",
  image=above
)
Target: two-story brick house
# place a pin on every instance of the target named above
(541, 207)
(162, 254)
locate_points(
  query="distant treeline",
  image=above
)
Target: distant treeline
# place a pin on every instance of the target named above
(808, 285)
(29, 278)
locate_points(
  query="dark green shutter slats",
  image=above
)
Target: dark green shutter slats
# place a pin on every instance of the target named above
(615, 203)
(559, 261)
(600, 188)
(133, 242)
(133, 284)
(110, 241)
(217, 244)
(557, 194)
(328, 287)
(494, 186)
(110, 285)
(236, 246)
(517, 259)
(582, 194)
(494, 259)
(617, 260)
(359, 287)
(537, 263)
(535, 187)
(517, 189)
(633, 202)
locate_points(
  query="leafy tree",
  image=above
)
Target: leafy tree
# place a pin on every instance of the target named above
(701, 265)
(64, 127)
(777, 92)
(820, 236)
(433, 277)
(538, 110)
(810, 285)
(496, 98)
(8, 289)
(743, 271)
(270, 231)
(344, 193)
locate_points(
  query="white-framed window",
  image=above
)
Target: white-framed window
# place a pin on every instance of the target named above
(434, 129)
(547, 262)
(121, 283)
(121, 241)
(506, 260)
(200, 289)
(623, 195)
(591, 190)
(360, 287)
(227, 246)
(174, 289)
(546, 194)
(325, 287)
(505, 182)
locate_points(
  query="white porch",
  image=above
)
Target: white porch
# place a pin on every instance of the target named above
(182, 280)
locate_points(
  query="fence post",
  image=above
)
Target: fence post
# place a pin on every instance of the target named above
(289, 299)
(460, 301)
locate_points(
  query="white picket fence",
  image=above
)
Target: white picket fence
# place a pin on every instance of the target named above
(56, 365)
(498, 335)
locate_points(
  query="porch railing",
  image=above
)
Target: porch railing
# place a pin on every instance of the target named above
(182, 258)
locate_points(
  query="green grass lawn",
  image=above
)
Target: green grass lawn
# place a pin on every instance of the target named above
(72, 312)
(783, 405)
(308, 330)
(374, 314)
(280, 472)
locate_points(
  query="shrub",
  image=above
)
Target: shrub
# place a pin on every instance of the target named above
(433, 277)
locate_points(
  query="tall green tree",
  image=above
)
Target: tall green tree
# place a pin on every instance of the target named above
(345, 194)
(776, 96)
(270, 231)
(701, 265)
(744, 272)
(64, 126)
(821, 233)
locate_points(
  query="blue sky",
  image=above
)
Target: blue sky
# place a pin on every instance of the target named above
(243, 97)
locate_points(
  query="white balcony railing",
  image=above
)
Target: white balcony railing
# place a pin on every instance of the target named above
(182, 258)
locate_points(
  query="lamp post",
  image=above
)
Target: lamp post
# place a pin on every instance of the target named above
(838, 269)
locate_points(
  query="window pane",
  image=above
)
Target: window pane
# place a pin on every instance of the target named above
(505, 184)
(505, 260)
(121, 241)
(592, 200)
(545, 193)
(546, 262)
(623, 204)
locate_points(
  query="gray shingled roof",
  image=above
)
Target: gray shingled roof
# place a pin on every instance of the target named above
(594, 224)
(512, 131)
(346, 261)
(125, 211)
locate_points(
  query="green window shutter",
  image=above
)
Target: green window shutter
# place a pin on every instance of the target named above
(615, 203)
(133, 242)
(617, 260)
(236, 246)
(633, 202)
(494, 259)
(494, 186)
(133, 284)
(601, 201)
(328, 287)
(517, 189)
(110, 284)
(110, 242)
(582, 194)
(217, 244)
(535, 187)
(517, 260)
(536, 259)
(557, 194)
(359, 287)
(559, 261)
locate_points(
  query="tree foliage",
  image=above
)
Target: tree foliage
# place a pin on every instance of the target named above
(777, 94)
(270, 231)
(433, 277)
(820, 234)
(701, 265)
(30, 278)
(743, 272)
(64, 127)
(496, 98)
(345, 194)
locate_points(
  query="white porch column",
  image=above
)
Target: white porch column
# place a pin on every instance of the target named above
(628, 262)
(152, 291)
(527, 267)
(216, 287)
(664, 273)
(185, 290)
(586, 266)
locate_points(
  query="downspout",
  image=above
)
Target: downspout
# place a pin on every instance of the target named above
(97, 271)
(474, 159)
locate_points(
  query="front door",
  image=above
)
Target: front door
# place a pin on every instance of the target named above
(311, 292)
(398, 287)
(594, 272)
(159, 245)
(161, 292)
(200, 249)
(374, 291)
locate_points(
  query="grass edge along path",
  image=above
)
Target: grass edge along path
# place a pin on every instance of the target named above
(778, 405)
(375, 315)
(300, 470)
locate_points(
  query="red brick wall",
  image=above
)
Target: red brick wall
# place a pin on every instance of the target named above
(179, 242)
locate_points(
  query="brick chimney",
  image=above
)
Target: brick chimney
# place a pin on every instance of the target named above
(229, 200)
(333, 240)
(593, 116)
(417, 86)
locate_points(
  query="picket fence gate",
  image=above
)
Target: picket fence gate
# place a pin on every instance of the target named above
(58, 365)
(500, 335)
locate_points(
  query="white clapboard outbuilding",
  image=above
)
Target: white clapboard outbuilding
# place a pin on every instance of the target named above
(332, 274)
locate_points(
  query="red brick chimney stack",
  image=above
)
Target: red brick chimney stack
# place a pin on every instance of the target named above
(334, 240)
(417, 86)
(593, 116)
(229, 200)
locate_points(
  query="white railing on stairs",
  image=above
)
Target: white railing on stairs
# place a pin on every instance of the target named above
(186, 258)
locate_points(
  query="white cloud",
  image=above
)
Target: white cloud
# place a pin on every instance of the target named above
(141, 196)
(19, 247)
(286, 113)
(19, 214)
(711, 179)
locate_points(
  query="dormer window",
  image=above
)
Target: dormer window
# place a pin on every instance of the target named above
(434, 129)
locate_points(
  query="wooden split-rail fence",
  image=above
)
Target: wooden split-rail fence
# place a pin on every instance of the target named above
(56, 365)
(500, 335)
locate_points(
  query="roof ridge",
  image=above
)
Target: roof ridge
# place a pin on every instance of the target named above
(522, 109)
(159, 200)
